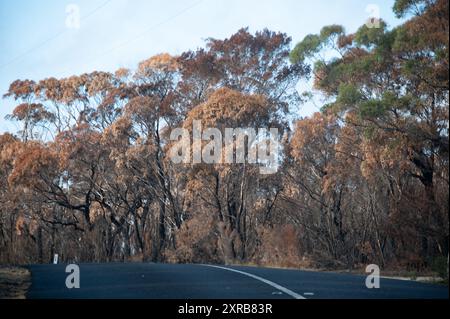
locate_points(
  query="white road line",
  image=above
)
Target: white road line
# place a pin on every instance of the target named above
(270, 283)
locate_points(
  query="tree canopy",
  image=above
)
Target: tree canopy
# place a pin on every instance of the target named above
(89, 175)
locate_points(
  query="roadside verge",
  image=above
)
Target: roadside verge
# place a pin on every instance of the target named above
(14, 282)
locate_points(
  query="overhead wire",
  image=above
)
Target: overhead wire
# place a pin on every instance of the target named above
(53, 37)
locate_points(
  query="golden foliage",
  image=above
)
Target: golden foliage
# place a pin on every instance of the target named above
(161, 62)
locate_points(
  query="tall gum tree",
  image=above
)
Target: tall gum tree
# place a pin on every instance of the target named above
(397, 82)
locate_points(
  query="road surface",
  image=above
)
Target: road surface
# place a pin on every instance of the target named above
(168, 281)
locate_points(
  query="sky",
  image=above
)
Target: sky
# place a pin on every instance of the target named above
(41, 38)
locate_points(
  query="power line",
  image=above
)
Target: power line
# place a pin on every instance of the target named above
(150, 28)
(20, 56)
(95, 10)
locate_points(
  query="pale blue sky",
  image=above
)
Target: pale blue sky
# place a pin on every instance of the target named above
(35, 42)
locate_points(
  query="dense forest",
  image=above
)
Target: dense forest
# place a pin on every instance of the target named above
(365, 180)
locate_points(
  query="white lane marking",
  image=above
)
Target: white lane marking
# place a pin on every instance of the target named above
(308, 293)
(270, 283)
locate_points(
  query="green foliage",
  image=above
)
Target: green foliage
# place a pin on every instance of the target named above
(336, 72)
(377, 107)
(389, 100)
(402, 7)
(386, 43)
(313, 43)
(392, 85)
(348, 95)
(406, 102)
(310, 45)
(364, 65)
(331, 30)
(405, 41)
(440, 266)
(332, 71)
(371, 108)
(327, 107)
(366, 36)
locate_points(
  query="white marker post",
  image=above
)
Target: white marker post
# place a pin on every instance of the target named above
(55, 259)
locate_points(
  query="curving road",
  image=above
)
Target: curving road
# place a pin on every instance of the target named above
(175, 281)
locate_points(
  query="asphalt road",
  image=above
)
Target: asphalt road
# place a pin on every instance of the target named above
(168, 281)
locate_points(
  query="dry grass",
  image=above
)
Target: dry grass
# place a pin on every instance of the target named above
(14, 282)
